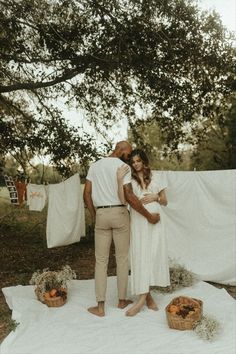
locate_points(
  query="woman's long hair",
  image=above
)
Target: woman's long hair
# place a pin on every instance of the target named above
(146, 169)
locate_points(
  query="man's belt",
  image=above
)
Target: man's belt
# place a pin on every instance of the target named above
(110, 206)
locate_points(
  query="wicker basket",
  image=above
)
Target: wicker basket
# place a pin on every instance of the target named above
(56, 301)
(39, 295)
(176, 321)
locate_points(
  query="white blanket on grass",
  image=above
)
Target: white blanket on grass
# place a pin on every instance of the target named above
(66, 218)
(200, 222)
(71, 329)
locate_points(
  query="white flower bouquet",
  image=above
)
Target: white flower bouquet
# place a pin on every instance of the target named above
(51, 286)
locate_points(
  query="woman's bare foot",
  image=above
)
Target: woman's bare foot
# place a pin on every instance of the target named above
(137, 307)
(151, 303)
(133, 310)
(123, 303)
(98, 310)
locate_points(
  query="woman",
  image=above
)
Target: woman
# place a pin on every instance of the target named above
(148, 250)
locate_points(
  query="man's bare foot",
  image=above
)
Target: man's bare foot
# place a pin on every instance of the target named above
(151, 303)
(96, 310)
(123, 303)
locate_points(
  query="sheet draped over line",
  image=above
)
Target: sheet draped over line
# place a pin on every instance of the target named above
(66, 217)
(36, 196)
(70, 328)
(200, 222)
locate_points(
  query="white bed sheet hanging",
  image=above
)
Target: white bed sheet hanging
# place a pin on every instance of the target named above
(66, 217)
(201, 222)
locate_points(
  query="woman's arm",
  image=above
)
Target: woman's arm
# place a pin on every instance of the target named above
(120, 173)
(136, 204)
(88, 198)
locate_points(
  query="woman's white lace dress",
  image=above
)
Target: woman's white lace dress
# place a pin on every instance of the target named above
(148, 249)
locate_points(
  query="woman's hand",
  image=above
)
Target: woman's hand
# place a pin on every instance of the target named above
(120, 174)
(148, 198)
(159, 198)
(122, 171)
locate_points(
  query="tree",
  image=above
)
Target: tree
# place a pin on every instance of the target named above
(10, 168)
(44, 174)
(151, 139)
(111, 60)
(216, 149)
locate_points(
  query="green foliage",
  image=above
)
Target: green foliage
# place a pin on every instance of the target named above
(10, 324)
(152, 140)
(39, 173)
(44, 174)
(11, 166)
(212, 141)
(110, 60)
(216, 148)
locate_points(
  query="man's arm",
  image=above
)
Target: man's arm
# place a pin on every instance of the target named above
(138, 206)
(88, 198)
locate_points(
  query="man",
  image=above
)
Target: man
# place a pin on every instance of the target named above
(111, 221)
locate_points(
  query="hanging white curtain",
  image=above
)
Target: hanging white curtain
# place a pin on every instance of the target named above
(66, 218)
(200, 222)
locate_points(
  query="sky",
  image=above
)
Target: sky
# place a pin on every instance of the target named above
(226, 9)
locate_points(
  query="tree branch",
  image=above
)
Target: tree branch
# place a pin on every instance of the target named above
(69, 74)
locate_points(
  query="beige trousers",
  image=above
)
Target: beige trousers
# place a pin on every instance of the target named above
(111, 223)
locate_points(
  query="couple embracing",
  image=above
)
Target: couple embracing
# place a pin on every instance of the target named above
(111, 183)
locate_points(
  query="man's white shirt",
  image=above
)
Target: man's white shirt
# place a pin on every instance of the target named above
(102, 174)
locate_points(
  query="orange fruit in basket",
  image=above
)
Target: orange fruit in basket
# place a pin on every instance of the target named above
(173, 309)
(53, 292)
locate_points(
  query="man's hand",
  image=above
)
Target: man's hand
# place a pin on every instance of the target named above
(153, 218)
(138, 206)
